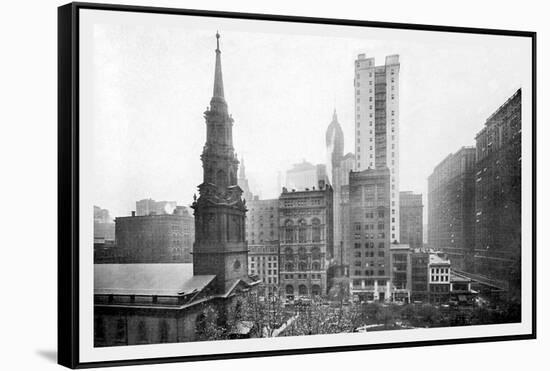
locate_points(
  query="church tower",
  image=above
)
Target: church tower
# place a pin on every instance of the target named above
(220, 248)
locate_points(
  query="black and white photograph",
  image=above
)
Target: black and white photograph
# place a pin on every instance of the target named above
(256, 185)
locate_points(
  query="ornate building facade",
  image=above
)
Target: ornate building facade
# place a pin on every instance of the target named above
(306, 240)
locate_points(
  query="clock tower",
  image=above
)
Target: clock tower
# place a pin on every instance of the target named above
(220, 248)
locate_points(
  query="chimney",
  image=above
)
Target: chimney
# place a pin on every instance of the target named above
(133, 213)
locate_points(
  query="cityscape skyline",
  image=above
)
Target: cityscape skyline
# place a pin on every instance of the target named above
(153, 178)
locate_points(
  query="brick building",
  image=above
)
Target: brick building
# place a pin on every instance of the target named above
(156, 238)
(451, 207)
(262, 234)
(498, 194)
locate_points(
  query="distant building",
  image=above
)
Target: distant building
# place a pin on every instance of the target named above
(377, 123)
(301, 176)
(155, 238)
(401, 272)
(243, 183)
(498, 195)
(306, 240)
(262, 234)
(104, 236)
(305, 175)
(410, 216)
(451, 207)
(101, 215)
(369, 200)
(338, 169)
(152, 207)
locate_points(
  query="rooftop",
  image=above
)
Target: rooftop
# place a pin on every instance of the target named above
(147, 279)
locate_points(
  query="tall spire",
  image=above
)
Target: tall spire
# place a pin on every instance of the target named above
(242, 174)
(334, 116)
(218, 81)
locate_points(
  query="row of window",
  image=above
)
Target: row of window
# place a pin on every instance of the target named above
(369, 245)
(301, 276)
(368, 283)
(368, 254)
(368, 272)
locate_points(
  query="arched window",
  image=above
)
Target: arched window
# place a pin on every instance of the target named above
(289, 289)
(163, 331)
(315, 266)
(316, 230)
(315, 253)
(302, 266)
(316, 290)
(302, 228)
(142, 333)
(289, 254)
(302, 290)
(289, 267)
(289, 232)
(302, 253)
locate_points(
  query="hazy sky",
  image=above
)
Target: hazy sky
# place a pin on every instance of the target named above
(151, 78)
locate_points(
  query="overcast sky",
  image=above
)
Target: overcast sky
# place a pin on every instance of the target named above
(151, 79)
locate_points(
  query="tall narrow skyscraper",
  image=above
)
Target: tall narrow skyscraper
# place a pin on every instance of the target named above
(220, 247)
(377, 124)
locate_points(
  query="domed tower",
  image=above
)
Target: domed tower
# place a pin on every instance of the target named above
(220, 248)
(337, 177)
(335, 146)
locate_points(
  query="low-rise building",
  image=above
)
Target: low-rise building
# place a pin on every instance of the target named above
(401, 272)
(156, 238)
(306, 241)
(439, 283)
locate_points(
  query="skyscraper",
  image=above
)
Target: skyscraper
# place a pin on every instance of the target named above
(220, 247)
(377, 124)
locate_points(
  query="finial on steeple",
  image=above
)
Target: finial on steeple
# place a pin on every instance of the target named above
(218, 81)
(334, 116)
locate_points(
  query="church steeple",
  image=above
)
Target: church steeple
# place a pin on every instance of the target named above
(220, 247)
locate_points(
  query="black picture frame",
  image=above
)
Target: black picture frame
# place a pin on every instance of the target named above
(68, 180)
